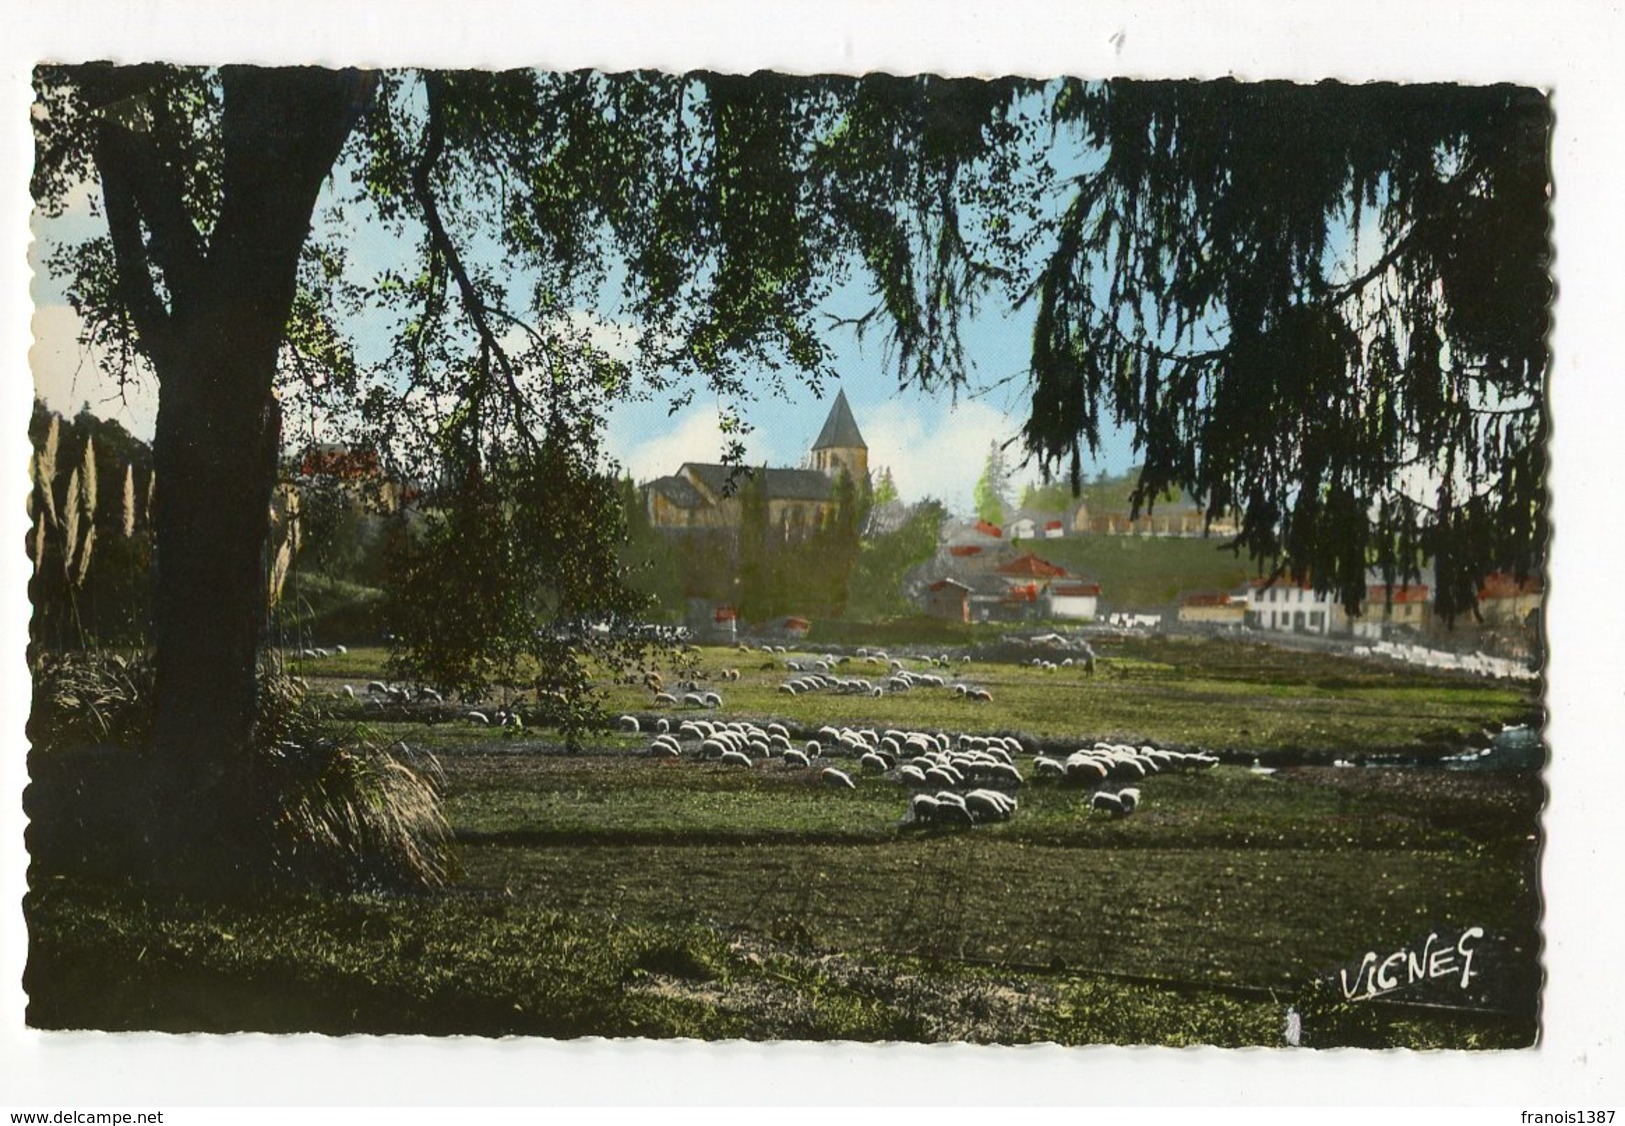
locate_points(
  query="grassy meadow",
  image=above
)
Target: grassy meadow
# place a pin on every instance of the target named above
(603, 891)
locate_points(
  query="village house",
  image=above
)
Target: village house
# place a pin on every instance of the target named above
(969, 541)
(1213, 608)
(1078, 600)
(1035, 525)
(1172, 518)
(359, 472)
(1000, 586)
(949, 599)
(1290, 608)
(1505, 600)
(1403, 606)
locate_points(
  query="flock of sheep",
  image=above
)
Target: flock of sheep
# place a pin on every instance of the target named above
(959, 780)
(1479, 664)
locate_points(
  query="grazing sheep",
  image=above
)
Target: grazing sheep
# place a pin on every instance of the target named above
(796, 758)
(479, 717)
(923, 807)
(837, 779)
(1107, 802)
(628, 723)
(990, 805)
(348, 692)
(1130, 798)
(872, 763)
(736, 758)
(911, 776)
(1045, 767)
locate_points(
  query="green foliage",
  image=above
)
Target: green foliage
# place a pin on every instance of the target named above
(91, 697)
(798, 571)
(1055, 497)
(992, 493)
(652, 564)
(345, 811)
(885, 489)
(877, 577)
(517, 583)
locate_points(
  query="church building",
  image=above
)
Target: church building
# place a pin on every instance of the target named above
(706, 495)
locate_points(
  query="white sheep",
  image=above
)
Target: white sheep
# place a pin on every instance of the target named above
(837, 779)
(1107, 802)
(923, 807)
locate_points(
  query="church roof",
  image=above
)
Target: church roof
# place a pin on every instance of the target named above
(679, 492)
(778, 484)
(840, 428)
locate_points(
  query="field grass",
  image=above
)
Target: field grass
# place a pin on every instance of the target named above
(610, 893)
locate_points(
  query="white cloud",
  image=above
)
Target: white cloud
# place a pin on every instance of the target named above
(613, 338)
(68, 375)
(695, 435)
(942, 461)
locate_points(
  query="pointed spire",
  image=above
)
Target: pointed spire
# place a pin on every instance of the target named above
(840, 428)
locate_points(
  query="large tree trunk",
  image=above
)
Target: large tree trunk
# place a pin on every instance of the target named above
(215, 452)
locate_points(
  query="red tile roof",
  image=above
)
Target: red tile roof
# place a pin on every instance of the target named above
(1031, 565)
(1503, 585)
(1407, 592)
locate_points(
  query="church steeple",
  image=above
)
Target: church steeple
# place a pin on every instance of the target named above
(839, 445)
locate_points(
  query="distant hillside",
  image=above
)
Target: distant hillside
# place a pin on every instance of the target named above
(1143, 573)
(1104, 494)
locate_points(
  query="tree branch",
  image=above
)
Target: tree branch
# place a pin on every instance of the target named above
(473, 304)
(133, 267)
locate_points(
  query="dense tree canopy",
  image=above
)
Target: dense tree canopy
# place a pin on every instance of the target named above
(1382, 408)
